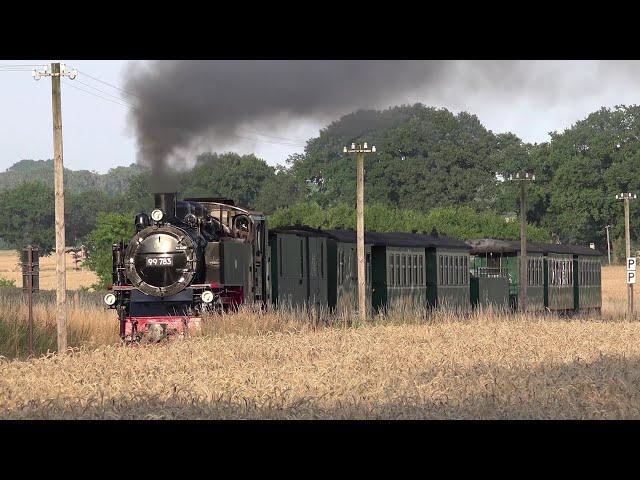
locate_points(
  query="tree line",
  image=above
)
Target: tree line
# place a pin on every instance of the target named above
(433, 170)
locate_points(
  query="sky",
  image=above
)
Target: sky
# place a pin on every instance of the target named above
(545, 96)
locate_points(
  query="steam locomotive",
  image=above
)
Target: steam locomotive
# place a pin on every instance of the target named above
(187, 255)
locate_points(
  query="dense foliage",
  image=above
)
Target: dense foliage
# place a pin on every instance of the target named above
(110, 229)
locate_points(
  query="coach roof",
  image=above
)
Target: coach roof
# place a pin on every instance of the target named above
(491, 245)
(399, 239)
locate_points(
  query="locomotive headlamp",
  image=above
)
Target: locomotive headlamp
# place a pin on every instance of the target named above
(207, 296)
(157, 215)
(109, 299)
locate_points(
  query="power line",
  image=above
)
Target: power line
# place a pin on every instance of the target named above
(108, 84)
(99, 96)
(120, 99)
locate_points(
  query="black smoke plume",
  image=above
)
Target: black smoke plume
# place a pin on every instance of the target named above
(178, 103)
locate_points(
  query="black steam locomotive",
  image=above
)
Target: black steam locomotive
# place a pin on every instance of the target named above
(187, 255)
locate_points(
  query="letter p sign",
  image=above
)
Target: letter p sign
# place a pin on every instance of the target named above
(631, 263)
(631, 277)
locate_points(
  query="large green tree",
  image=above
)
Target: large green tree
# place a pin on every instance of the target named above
(27, 216)
(426, 157)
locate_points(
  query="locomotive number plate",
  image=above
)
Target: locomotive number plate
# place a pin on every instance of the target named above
(159, 261)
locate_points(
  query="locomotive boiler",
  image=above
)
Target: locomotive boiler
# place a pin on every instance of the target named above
(186, 256)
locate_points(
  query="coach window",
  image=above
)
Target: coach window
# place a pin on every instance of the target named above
(451, 270)
(367, 270)
(390, 271)
(446, 269)
(404, 269)
(440, 267)
(532, 266)
(421, 269)
(445, 279)
(466, 270)
(340, 265)
(455, 270)
(280, 255)
(414, 277)
(453, 274)
(539, 271)
(397, 269)
(452, 280)
(408, 270)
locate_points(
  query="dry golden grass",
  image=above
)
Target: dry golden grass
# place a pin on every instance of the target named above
(253, 365)
(89, 325)
(614, 291)
(10, 269)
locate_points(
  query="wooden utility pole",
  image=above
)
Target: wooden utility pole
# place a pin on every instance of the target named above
(608, 243)
(61, 285)
(523, 178)
(360, 150)
(627, 240)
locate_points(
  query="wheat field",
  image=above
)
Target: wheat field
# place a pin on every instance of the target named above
(11, 270)
(400, 366)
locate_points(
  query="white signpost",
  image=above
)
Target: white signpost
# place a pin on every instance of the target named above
(631, 270)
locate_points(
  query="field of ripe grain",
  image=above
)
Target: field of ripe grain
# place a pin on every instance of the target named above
(487, 366)
(11, 270)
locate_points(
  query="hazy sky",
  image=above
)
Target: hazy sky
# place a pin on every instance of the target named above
(544, 96)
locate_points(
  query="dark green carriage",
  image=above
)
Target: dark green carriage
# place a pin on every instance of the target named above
(299, 267)
(399, 271)
(403, 277)
(496, 273)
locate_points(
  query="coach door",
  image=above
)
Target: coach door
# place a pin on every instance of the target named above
(292, 281)
(317, 271)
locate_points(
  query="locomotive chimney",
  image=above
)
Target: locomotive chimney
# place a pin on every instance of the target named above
(167, 203)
